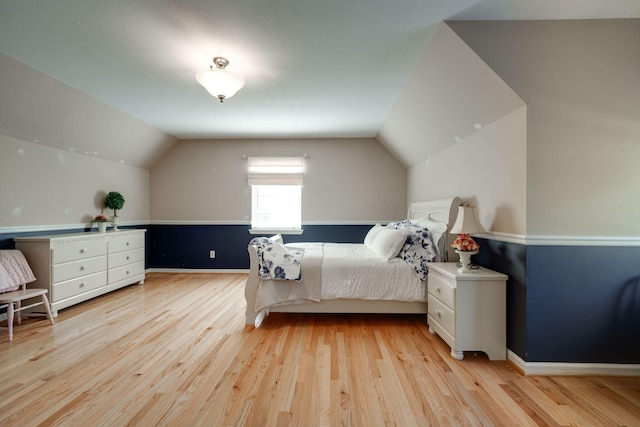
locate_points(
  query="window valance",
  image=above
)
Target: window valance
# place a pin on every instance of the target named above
(275, 170)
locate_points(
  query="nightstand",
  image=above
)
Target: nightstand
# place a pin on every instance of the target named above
(468, 310)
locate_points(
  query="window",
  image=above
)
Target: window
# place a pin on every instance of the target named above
(276, 194)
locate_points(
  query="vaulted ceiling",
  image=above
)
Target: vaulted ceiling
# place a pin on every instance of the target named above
(313, 68)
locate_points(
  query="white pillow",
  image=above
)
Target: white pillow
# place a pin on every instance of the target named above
(388, 242)
(372, 233)
(276, 238)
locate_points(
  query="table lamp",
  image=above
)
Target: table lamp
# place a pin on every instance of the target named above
(466, 224)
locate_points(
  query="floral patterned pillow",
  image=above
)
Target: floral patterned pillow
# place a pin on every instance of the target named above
(418, 249)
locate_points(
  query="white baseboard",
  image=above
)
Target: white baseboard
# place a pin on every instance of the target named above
(560, 368)
(195, 270)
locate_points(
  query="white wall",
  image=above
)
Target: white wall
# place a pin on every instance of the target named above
(346, 180)
(581, 80)
(487, 169)
(45, 186)
(449, 93)
(36, 107)
(462, 131)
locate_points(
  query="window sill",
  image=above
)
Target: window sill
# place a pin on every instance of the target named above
(275, 231)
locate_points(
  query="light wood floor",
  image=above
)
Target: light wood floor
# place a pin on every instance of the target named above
(175, 352)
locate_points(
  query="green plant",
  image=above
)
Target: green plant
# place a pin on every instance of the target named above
(115, 201)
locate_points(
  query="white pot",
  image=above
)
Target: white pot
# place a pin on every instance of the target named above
(102, 227)
(465, 260)
(115, 220)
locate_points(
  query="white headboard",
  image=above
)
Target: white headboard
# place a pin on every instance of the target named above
(443, 211)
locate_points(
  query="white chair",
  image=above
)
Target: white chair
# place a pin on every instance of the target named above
(13, 301)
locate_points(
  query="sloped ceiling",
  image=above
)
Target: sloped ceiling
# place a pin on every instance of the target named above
(451, 94)
(328, 68)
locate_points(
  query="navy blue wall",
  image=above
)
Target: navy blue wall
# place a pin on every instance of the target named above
(573, 304)
(583, 304)
(188, 246)
(509, 259)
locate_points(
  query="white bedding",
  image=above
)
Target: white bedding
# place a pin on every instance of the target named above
(352, 271)
(342, 271)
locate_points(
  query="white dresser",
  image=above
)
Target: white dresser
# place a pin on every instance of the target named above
(468, 310)
(81, 266)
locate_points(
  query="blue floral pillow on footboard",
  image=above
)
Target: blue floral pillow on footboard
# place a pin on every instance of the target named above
(418, 250)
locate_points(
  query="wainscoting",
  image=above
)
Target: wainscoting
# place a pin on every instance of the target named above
(568, 302)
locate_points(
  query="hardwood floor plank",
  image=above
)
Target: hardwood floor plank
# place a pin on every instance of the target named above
(175, 352)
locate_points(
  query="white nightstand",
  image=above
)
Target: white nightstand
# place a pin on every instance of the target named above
(468, 310)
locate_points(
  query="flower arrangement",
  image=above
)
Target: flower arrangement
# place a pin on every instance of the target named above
(100, 218)
(465, 243)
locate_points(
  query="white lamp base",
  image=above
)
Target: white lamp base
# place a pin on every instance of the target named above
(465, 260)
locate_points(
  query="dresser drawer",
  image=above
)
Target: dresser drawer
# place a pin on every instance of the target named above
(439, 286)
(77, 251)
(124, 272)
(119, 259)
(442, 314)
(78, 286)
(126, 243)
(71, 270)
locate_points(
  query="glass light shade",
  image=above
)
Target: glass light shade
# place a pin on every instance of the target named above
(220, 83)
(467, 221)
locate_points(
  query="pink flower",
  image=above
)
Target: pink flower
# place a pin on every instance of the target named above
(465, 243)
(100, 218)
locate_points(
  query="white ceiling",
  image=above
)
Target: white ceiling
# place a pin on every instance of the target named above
(313, 68)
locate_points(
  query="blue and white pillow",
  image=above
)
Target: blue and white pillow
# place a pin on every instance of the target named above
(418, 249)
(277, 262)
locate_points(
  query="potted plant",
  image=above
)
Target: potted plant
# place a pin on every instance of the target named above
(102, 221)
(114, 200)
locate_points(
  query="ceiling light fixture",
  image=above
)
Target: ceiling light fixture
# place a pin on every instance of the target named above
(219, 82)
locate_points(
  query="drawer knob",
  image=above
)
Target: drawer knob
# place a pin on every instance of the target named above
(82, 285)
(439, 314)
(127, 257)
(127, 271)
(83, 250)
(438, 289)
(81, 267)
(127, 243)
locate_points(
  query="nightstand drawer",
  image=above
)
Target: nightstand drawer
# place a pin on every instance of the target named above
(442, 314)
(440, 288)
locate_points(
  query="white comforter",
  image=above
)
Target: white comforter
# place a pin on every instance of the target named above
(353, 271)
(341, 271)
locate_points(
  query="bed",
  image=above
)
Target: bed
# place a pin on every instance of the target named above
(437, 214)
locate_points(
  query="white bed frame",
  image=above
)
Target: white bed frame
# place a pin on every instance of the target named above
(443, 211)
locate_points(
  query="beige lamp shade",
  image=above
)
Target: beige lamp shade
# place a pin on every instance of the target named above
(467, 221)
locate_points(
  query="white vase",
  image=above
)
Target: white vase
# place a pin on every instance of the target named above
(102, 227)
(115, 220)
(465, 260)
